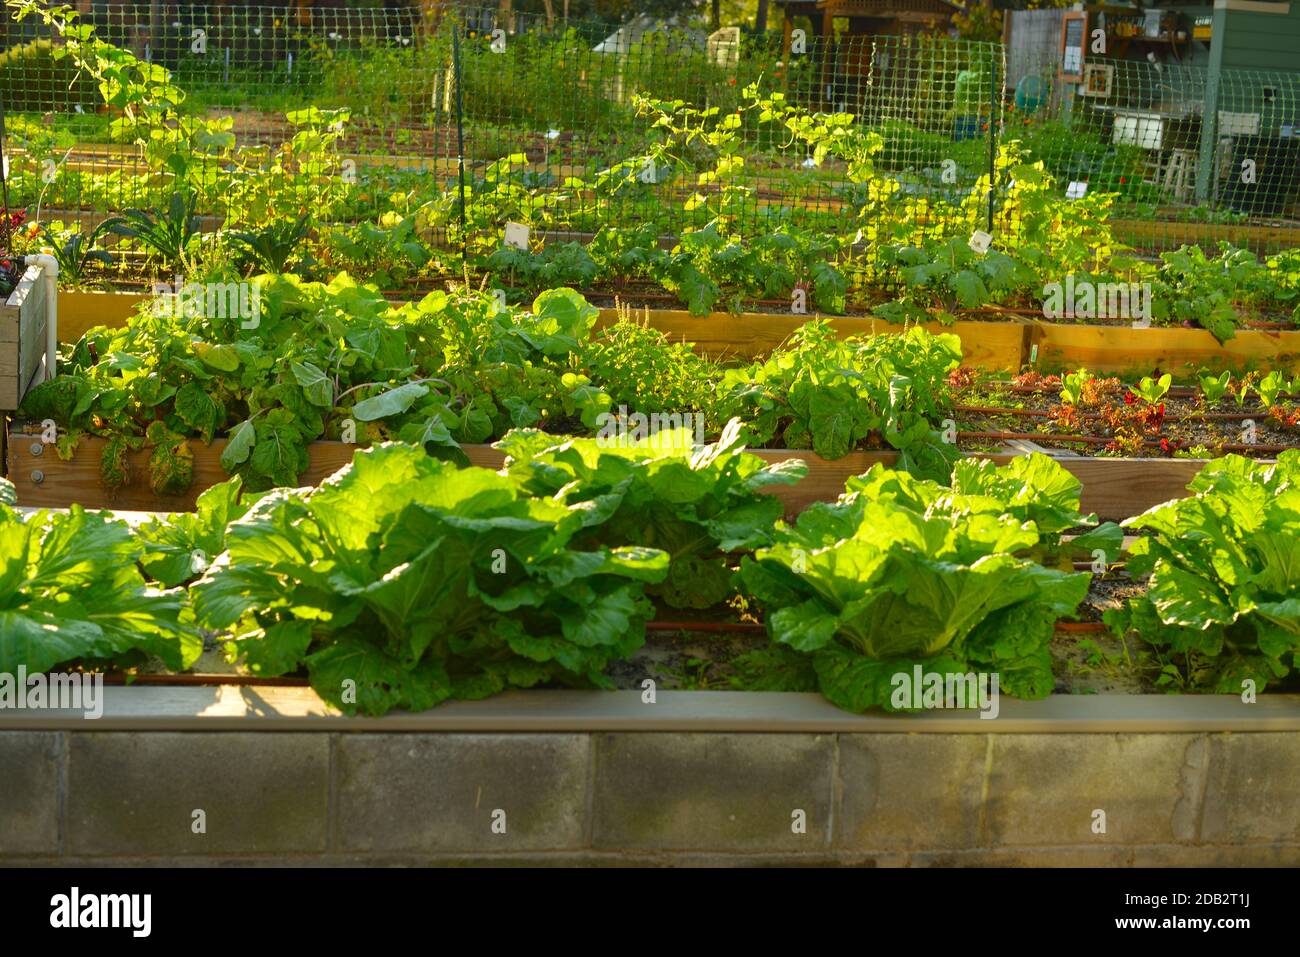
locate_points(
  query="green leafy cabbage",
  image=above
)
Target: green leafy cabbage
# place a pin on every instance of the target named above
(70, 590)
(1223, 598)
(661, 491)
(903, 572)
(403, 581)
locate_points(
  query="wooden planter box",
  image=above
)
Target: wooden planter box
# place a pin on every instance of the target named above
(22, 337)
(81, 310)
(1122, 349)
(993, 346)
(1113, 488)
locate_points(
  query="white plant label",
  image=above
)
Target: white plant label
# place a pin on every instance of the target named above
(198, 561)
(48, 171)
(199, 42)
(499, 297)
(649, 172)
(350, 172)
(949, 174)
(648, 691)
(798, 42)
(1099, 41)
(1248, 171)
(1098, 821)
(498, 40)
(1248, 691)
(798, 821)
(1098, 561)
(980, 241)
(49, 431)
(498, 821)
(1248, 432)
(1076, 190)
(498, 561)
(517, 236)
(949, 433)
(348, 432)
(799, 302)
(552, 134)
(199, 821)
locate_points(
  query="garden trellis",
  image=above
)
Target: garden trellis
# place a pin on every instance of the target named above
(562, 102)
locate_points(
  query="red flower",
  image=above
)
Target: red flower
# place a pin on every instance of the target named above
(1123, 179)
(1164, 446)
(1129, 397)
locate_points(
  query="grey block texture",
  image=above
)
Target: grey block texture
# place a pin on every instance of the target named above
(651, 798)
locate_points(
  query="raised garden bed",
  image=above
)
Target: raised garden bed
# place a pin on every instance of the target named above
(1005, 346)
(1114, 488)
(695, 778)
(22, 337)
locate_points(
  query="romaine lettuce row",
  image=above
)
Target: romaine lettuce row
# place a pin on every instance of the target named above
(901, 572)
(402, 581)
(70, 590)
(696, 503)
(1223, 598)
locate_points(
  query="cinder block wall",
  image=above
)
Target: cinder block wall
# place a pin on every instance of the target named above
(650, 798)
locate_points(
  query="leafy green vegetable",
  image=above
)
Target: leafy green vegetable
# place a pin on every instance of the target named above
(1223, 598)
(903, 572)
(699, 504)
(403, 581)
(179, 547)
(837, 395)
(70, 590)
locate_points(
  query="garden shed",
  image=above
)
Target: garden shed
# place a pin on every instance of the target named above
(868, 17)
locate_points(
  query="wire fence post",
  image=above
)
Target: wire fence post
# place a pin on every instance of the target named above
(4, 163)
(460, 134)
(995, 115)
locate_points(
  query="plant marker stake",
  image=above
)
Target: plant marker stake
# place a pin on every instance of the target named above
(226, 74)
(460, 135)
(1033, 355)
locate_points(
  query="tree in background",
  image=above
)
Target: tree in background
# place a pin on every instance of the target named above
(982, 19)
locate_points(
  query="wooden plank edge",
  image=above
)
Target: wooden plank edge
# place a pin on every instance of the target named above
(1113, 488)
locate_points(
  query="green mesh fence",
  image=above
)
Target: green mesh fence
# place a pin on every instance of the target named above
(1189, 160)
(558, 126)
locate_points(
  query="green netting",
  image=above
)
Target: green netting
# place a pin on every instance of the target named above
(559, 128)
(1190, 160)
